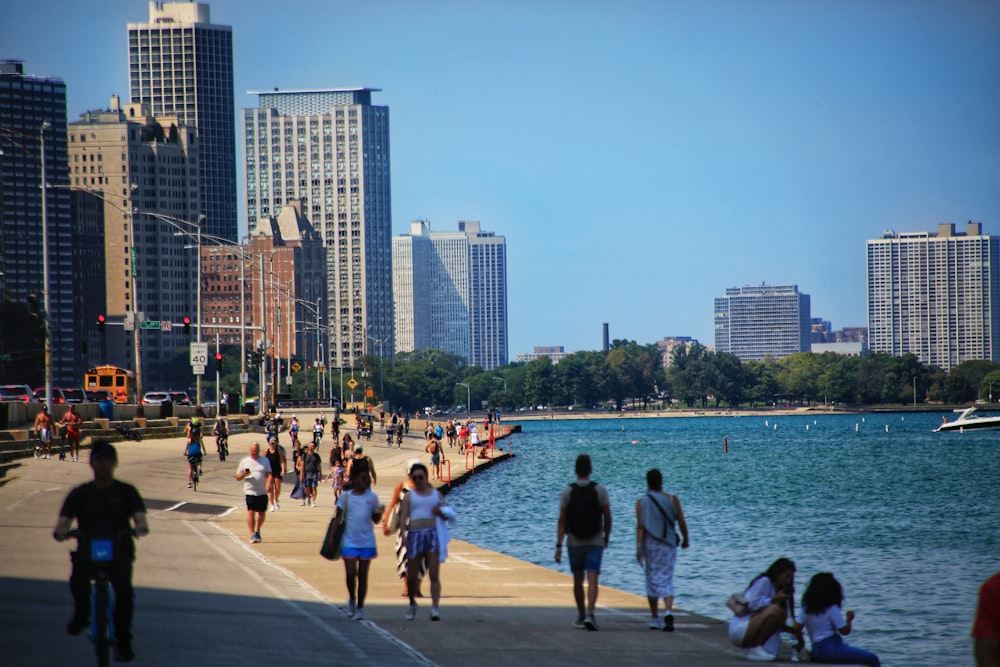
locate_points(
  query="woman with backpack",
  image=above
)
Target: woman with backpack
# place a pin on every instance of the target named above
(656, 546)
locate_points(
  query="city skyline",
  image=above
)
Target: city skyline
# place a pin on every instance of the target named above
(639, 158)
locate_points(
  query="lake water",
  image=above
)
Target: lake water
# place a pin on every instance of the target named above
(907, 520)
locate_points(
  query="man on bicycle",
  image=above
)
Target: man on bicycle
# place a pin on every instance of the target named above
(195, 448)
(104, 508)
(221, 433)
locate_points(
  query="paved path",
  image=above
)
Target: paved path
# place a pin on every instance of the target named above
(207, 597)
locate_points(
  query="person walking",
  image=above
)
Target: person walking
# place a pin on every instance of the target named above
(43, 431)
(72, 420)
(425, 536)
(275, 456)
(658, 515)
(585, 522)
(309, 467)
(402, 561)
(358, 510)
(255, 473)
(105, 508)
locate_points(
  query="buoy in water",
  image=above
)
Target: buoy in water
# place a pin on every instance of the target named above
(886, 428)
(775, 427)
(725, 445)
(856, 427)
(807, 427)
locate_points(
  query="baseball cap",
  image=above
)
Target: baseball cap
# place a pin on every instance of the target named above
(359, 448)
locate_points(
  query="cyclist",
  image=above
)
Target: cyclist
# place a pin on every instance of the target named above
(293, 429)
(221, 433)
(194, 450)
(317, 432)
(104, 508)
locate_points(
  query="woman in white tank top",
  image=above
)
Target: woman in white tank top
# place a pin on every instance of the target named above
(418, 515)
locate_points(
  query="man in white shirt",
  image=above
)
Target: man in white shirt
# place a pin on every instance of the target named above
(255, 473)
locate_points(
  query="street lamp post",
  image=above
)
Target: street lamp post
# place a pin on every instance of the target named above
(45, 272)
(468, 398)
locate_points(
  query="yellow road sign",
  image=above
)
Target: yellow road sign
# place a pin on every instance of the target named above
(352, 383)
(296, 367)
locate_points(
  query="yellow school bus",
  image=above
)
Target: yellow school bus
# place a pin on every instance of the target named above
(118, 381)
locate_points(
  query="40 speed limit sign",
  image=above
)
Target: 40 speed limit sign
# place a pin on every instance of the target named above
(199, 354)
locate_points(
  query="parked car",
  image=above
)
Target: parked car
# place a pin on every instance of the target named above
(156, 398)
(74, 395)
(99, 395)
(57, 395)
(179, 397)
(17, 392)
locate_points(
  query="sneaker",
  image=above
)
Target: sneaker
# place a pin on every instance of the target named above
(302, 504)
(189, 485)
(270, 508)
(654, 624)
(579, 624)
(277, 506)
(38, 452)
(668, 623)
(359, 615)
(257, 535)
(760, 654)
(411, 613)
(351, 609)
(590, 622)
(435, 615)
(124, 652)
(76, 625)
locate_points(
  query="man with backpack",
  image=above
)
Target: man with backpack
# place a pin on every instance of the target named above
(585, 521)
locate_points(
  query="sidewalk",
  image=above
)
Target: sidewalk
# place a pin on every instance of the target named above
(495, 610)
(207, 597)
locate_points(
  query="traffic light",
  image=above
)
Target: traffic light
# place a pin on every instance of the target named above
(187, 325)
(101, 321)
(218, 362)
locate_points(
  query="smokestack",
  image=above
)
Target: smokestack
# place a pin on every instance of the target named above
(607, 340)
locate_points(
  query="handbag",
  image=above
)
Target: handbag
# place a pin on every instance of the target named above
(392, 523)
(334, 538)
(738, 604)
(668, 523)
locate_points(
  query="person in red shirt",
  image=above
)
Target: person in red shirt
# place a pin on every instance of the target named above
(986, 627)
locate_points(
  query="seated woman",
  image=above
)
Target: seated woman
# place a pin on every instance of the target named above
(822, 617)
(767, 596)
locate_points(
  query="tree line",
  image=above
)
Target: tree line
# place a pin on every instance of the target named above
(633, 375)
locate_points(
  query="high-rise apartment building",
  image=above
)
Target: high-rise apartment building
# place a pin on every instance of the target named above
(936, 296)
(451, 292)
(142, 167)
(329, 149)
(32, 111)
(758, 321)
(181, 64)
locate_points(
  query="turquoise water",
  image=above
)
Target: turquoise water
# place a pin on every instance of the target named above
(908, 520)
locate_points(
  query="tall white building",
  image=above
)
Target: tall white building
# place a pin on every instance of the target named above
(450, 292)
(329, 149)
(181, 64)
(936, 296)
(757, 321)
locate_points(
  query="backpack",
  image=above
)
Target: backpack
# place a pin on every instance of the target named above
(583, 512)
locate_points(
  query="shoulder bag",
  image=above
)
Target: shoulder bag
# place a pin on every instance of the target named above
(334, 538)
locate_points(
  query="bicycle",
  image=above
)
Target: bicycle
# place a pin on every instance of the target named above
(222, 446)
(100, 555)
(128, 433)
(195, 461)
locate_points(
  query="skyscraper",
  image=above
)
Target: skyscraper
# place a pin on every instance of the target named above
(329, 149)
(936, 296)
(32, 111)
(141, 165)
(450, 290)
(757, 321)
(180, 63)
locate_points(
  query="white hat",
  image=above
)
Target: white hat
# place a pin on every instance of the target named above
(410, 464)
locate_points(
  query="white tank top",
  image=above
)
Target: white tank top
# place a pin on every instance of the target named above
(422, 507)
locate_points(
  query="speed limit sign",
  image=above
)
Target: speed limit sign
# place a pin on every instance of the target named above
(199, 354)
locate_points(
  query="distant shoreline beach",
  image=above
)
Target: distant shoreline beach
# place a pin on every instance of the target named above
(556, 415)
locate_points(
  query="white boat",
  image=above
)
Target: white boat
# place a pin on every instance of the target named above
(971, 420)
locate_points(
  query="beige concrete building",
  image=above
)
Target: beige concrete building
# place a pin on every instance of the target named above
(144, 168)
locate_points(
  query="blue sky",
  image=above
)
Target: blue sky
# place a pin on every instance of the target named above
(639, 156)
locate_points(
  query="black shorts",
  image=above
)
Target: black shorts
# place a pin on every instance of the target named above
(257, 503)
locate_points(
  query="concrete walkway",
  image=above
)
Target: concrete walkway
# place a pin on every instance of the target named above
(205, 596)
